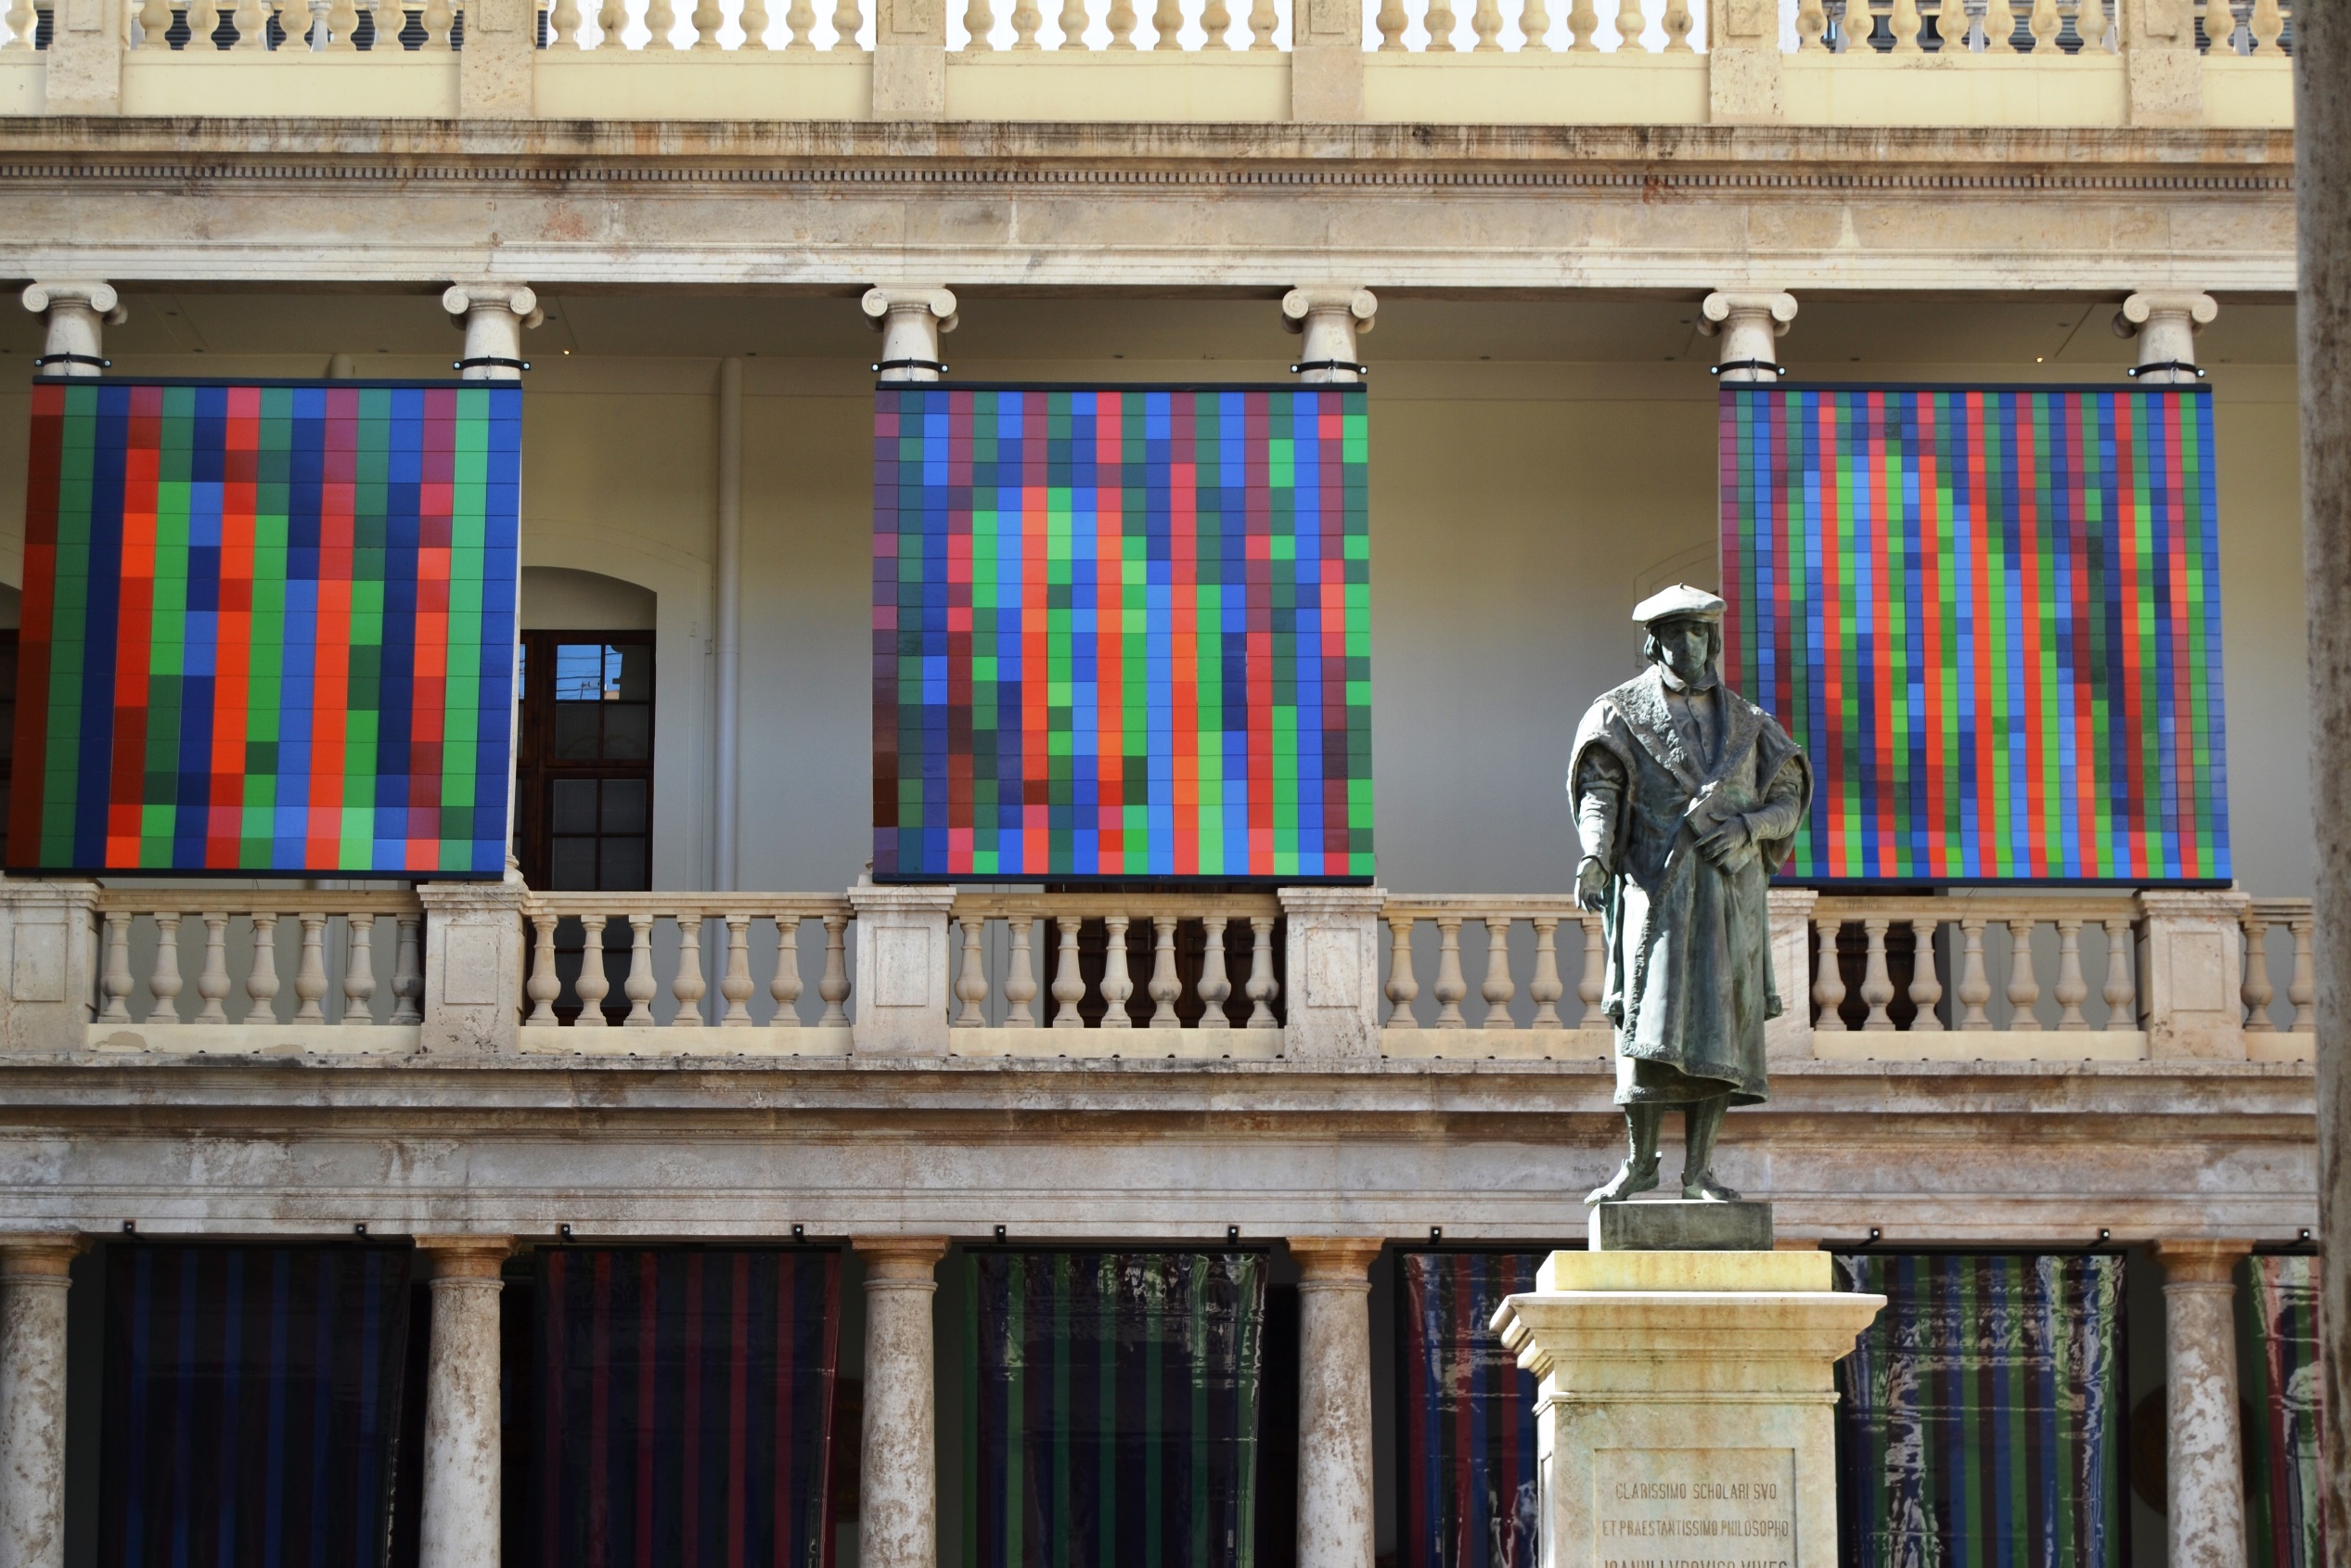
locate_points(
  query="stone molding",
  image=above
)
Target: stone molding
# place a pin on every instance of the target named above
(39, 1257)
(900, 1262)
(465, 1257)
(2199, 1264)
(1335, 1263)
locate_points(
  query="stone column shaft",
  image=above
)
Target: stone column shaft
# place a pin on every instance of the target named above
(898, 1490)
(2205, 1522)
(1330, 317)
(459, 1519)
(1335, 1518)
(77, 313)
(33, 1281)
(1750, 325)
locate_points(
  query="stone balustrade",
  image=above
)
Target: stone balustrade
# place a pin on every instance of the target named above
(1973, 975)
(1952, 63)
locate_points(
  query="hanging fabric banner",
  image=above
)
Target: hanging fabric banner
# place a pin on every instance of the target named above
(684, 1407)
(1111, 1409)
(2278, 1340)
(1466, 1421)
(252, 1405)
(1980, 1418)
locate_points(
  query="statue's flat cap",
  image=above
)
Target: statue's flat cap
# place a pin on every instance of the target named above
(1681, 599)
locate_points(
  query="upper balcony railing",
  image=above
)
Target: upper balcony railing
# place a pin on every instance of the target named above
(1806, 62)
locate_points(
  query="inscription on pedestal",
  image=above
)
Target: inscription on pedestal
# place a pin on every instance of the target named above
(1695, 1508)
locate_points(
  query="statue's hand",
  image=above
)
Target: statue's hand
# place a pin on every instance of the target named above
(1591, 886)
(1727, 843)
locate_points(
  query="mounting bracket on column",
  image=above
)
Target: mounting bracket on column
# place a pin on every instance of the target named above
(2137, 370)
(879, 366)
(490, 359)
(1330, 365)
(71, 359)
(1772, 365)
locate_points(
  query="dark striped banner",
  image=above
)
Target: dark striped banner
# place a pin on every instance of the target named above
(1111, 1409)
(252, 1405)
(1466, 1416)
(684, 1407)
(2278, 1340)
(1980, 1418)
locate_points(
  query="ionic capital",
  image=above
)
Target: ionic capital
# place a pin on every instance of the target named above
(99, 298)
(1749, 322)
(2166, 322)
(1331, 317)
(910, 318)
(513, 298)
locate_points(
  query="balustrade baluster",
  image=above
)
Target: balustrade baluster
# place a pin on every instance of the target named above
(1391, 21)
(563, 25)
(251, 21)
(2071, 989)
(439, 21)
(1877, 980)
(1679, 23)
(1496, 986)
(1263, 20)
(1546, 988)
(978, 22)
(972, 981)
(261, 976)
(1073, 20)
(754, 21)
(310, 971)
(1069, 985)
(1906, 24)
(2256, 991)
(1535, 28)
(2303, 989)
(848, 18)
(1812, 26)
(784, 985)
(212, 985)
(155, 26)
(1167, 20)
(661, 16)
(1926, 986)
(1485, 21)
(707, 19)
(1121, 24)
(833, 988)
(736, 984)
(1403, 985)
(1828, 985)
(1594, 982)
(1630, 24)
(640, 986)
(1026, 19)
(2092, 22)
(1214, 985)
(2024, 987)
(23, 23)
(1450, 987)
(164, 984)
(359, 970)
(1117, 985)
(1019, 979)
(689, 987)
(408, 973)
(1439, 21)
(543, 987)
(596, 981)
(1216, 21)
(1953, 26)
(2268, 26)
(115, 983)
(2122, 977)
(1999, 27)
(1975, 984)
(612, 20)
(1261, 986)
(1164, 987)
(2047, 22)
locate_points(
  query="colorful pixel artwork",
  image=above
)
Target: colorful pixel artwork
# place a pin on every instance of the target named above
(268, 628)
(1992, 617)
(1122, 633)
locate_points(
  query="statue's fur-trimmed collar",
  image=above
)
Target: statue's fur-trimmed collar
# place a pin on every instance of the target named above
(1647, 714)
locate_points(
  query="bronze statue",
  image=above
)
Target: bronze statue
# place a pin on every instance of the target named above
(1687, 797)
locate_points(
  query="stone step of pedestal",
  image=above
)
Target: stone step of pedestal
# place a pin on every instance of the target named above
(1680, 1225)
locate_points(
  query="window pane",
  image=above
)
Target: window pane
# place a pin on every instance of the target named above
(629, 674)
(572, 866)
(624, 805)
(574, 806)
(629, 731)
(623, 866)
(575, 731)
(579, 672)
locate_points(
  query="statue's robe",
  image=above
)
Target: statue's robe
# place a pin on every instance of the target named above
(1689, 983)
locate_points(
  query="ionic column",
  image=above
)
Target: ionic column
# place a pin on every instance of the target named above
(911, 321)
(32, 1285)
(898, 1490)
(77, 313)
(1751, 325)
(1335, 1518)
(2166, 322)
(460, 1518)
(2207, 1523)
(494, 316)
(1329, 318)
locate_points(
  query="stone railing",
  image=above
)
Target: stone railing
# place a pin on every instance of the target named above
(688, 974)
(1806, 62)
(1301, 974)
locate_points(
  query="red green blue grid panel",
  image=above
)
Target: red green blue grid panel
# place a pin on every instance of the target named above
(267, 627)
(1122, 633)
(1992, 617)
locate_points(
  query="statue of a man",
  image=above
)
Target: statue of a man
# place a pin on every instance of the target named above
(1687, 796)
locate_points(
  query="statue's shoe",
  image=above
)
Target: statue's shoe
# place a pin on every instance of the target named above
(1629, 1178)
(1704, 1188)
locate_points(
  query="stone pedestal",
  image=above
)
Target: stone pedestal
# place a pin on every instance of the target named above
(901, 987)
(473, 963)
(1686, 1405)
(1334, 962)
(1681, 1225)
